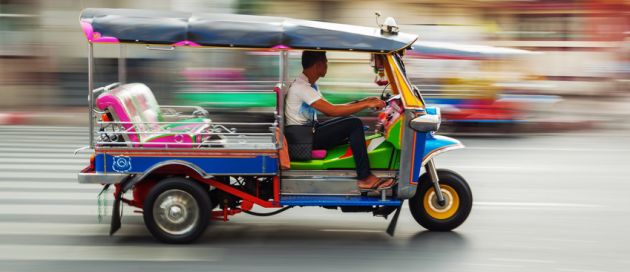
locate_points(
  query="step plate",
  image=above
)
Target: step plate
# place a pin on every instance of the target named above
(295, 200)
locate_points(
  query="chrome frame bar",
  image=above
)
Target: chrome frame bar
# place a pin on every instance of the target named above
(122, 64)
(90, 93)
(430, 166)
(284, 75)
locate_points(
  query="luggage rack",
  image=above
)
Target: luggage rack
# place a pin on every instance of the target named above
(206, 135)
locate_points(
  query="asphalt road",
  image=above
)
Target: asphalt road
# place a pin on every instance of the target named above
(541, 203)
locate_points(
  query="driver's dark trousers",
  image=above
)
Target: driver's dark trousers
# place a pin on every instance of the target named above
(339, 131)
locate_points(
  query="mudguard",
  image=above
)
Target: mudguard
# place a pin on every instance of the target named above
(436, 144)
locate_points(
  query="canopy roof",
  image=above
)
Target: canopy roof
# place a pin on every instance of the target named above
(232, 30)
(446, 50)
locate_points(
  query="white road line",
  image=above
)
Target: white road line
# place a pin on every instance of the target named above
(59, 210)
(39, 145)
(59, 229)
(44, 128)
(522, 260)
(39, 176)
(46, 185)
(576, 270)
(36, 160)
(538, 204)
(43, 196)
(44, 149)
(109, 253)
(41, 167)
(352, 230)
(62, 155)
(506, 148)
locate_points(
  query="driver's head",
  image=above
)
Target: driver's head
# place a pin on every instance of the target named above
(316, 62)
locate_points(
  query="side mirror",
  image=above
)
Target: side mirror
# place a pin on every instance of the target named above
(378, 64)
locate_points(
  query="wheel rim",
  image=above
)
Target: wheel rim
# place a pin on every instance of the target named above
(437, 211)
(176, 212)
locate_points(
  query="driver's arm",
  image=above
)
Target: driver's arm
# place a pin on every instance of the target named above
(346, 109)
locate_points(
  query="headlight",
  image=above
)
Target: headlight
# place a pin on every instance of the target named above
(430, 121)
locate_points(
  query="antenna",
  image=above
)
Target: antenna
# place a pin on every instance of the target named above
(378, 15)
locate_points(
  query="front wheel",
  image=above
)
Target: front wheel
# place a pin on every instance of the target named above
(429, 213)
(177, 210)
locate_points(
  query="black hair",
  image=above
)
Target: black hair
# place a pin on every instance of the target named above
(309, 58)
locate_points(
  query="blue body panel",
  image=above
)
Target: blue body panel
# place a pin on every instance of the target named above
(222, 166)
(337, 201)
(426, 143)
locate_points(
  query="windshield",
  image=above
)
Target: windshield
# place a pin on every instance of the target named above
(416, 91)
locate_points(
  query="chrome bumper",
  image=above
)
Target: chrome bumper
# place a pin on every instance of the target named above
(100, 178)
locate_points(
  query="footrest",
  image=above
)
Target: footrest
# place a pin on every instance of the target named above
(304, 200)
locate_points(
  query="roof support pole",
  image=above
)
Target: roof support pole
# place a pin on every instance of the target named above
(122, 64)
(90, 92)
(284, 78)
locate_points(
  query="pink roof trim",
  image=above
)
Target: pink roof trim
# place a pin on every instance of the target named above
(186, 43)
(95, 37)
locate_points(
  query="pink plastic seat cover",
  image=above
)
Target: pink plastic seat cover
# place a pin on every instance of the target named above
(135, 103)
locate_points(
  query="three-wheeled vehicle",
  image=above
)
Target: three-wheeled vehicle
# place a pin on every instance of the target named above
(182, 169)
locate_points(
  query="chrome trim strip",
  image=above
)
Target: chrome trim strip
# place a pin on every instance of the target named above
(101, 178)
(90, 93)
(440, 150)
(334, 173)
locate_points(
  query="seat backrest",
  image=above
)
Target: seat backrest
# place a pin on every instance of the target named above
(133, 102)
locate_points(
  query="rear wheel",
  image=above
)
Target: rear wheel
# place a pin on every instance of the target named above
(430, 214)
(177, 210)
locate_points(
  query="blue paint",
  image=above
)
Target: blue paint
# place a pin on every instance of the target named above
(139, 164)
(337, 201)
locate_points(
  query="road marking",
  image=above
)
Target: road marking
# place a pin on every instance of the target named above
(40, 175)
(352, 230)
(71, 184)
(522, 260)
(109, 253)
(63, 155)
(577, 270)
(538, 204)
(50, 196)
(60, 210)
(33, 161)
(42, 167)
(621, 150)
(62, 229)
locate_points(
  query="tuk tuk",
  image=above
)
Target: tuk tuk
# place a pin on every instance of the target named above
(184, 170)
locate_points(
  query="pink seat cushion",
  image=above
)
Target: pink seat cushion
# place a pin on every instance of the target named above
(318, 154)
(135, 103)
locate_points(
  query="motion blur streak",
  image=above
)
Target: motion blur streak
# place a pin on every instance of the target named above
(537, 90)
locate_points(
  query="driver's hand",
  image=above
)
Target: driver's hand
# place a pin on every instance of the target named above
(376, 103)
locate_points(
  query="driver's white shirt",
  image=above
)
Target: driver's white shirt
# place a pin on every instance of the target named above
(300, 96)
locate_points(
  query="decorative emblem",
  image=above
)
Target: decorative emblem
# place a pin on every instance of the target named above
(121, 164)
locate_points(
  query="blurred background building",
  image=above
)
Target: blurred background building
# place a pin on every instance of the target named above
(574, 49)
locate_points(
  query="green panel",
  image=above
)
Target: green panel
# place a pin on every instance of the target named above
(394, 136)
(396, 159)
(379, 158)
(252, 100)
(228, 99)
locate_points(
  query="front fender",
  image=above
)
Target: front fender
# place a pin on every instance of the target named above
(436, 144)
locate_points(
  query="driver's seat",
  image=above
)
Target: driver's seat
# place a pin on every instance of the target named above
(316, 154)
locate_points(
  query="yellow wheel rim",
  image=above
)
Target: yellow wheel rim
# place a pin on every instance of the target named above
(431, 206)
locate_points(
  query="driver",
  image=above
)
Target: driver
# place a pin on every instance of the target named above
(302, 101)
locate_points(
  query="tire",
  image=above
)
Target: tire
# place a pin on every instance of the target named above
(429, 214)
(177, 210)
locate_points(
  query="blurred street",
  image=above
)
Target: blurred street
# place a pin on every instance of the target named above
(537, 90)
(542, 202)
